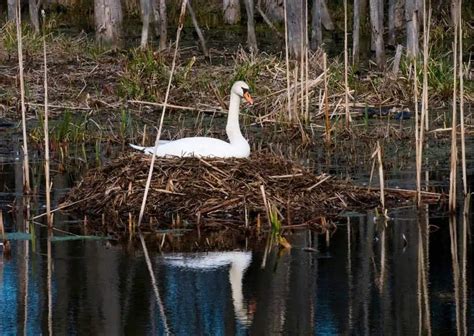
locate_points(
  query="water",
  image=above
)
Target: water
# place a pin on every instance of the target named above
(411, 275)
(395, 280)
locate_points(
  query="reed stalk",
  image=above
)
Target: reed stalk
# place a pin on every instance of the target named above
(157, 140)
(287, 61)
(461, 104)
(420, 128)
(418, 154)
(346, 66)
(306, 54)
(326, 103)
(46, 132)
(378, 153)
(26, 166)
(454, 148)
(302, 64)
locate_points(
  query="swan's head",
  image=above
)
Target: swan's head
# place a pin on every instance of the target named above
(242, 89)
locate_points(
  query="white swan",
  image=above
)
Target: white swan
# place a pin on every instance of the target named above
(239, 261)
(237, 146)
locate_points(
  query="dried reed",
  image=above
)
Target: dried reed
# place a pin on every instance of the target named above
(287, 61)
(461, 103)
(46, 132)
(26, 166)
(454, 147)
(346, 68)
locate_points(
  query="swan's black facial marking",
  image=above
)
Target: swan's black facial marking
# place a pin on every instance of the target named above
(245, 90)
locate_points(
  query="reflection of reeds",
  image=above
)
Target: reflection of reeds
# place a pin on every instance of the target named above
(459, 246)
(154, 283)
(26, 168)
(173, 65)
(50, 282)
(423, 271)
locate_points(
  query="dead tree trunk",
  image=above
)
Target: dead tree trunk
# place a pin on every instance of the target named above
(155, 10)
(296, 28)
(326, 17)
(376, 20)
(395, 19)
(316, 28)
(145, 9)
(198, 30)
(251, 37)
(163, 25)
(108, 22)
(231, 10)
(391, 22)
(356, 33)
(34, 14)
(274, 9)
(412, 28)
(11, 10)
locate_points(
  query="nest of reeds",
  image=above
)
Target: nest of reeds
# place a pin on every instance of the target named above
(209, 193)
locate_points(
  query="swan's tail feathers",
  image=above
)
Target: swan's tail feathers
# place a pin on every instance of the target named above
(140, 148)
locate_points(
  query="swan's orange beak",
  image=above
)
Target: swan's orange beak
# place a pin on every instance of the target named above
(248, 98)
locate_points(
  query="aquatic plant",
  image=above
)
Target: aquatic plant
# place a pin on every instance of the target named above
(142, 66)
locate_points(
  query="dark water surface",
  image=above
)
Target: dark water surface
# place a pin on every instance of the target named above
(410, 275)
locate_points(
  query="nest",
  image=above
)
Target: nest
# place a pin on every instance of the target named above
(190, 192)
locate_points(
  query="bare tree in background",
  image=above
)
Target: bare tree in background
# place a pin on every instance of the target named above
(395, 19)
(273, 9)
(296, 30)
(356, 32)
(231, 10)
(326, 17)
(163, 25)
(411, 18)
(316, 28)
(108, 22)
(34, 14)
(11, 10)
(251, 37)
(145, 9)
(376, 20)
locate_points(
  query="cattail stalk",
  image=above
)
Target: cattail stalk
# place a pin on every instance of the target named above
(454, 147)
(417, 132)
(287, 61)
(26, 166)
(46, 134)
(346, 65)
(326, 103)
(461, 104)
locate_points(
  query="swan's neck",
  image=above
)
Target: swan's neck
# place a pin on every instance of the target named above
(233, 128)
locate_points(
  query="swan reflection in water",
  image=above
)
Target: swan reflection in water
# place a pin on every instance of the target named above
(238, 261)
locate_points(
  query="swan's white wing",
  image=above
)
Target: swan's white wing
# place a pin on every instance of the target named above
(149, 149)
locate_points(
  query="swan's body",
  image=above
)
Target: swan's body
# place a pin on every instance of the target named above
(237, 146)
